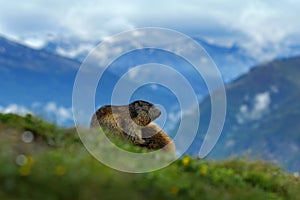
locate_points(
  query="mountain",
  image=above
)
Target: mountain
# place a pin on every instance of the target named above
(41, 82)
(28, 73)
(48, 74)
(232, 61)
(32, 79)
(69, 47)
(263, 112)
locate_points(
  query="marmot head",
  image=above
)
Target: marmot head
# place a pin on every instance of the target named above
(143, 112)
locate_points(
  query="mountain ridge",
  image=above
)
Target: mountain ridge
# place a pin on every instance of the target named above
(262, 114)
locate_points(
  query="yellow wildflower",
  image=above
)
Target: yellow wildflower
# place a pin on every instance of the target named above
(203, 170)
(25, 169)
(186, 161)
(174, 190)
(60, 170)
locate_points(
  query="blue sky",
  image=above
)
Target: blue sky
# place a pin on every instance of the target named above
(252, 24)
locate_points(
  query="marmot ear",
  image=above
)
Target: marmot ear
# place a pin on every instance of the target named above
(132, 111)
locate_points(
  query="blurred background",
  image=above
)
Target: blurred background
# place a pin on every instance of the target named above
(255, 45)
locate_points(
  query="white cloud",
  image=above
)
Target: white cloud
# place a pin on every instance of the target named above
(261, 105)
(50, 107)
(153, 86)
(174, 116)
(133, 73)
(61, 113)
(16, 109)
(252, 24)
(50, 110)
(262, 102)
(34, 42)
(36, 104)
(73, 52)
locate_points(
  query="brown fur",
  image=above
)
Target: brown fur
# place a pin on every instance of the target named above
(155, 138)
(134, 122)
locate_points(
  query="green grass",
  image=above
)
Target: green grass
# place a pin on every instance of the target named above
(57, 166)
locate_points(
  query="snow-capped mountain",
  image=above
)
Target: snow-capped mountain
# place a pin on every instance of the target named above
(232, 60)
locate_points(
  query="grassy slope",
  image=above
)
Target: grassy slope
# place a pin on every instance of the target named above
(57, 166)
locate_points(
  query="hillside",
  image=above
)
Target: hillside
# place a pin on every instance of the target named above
(41, 161)
(263, 113)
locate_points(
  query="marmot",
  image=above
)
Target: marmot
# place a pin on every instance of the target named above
(134, 122)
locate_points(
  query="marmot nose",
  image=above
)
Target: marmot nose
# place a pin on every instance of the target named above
(154, 112)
